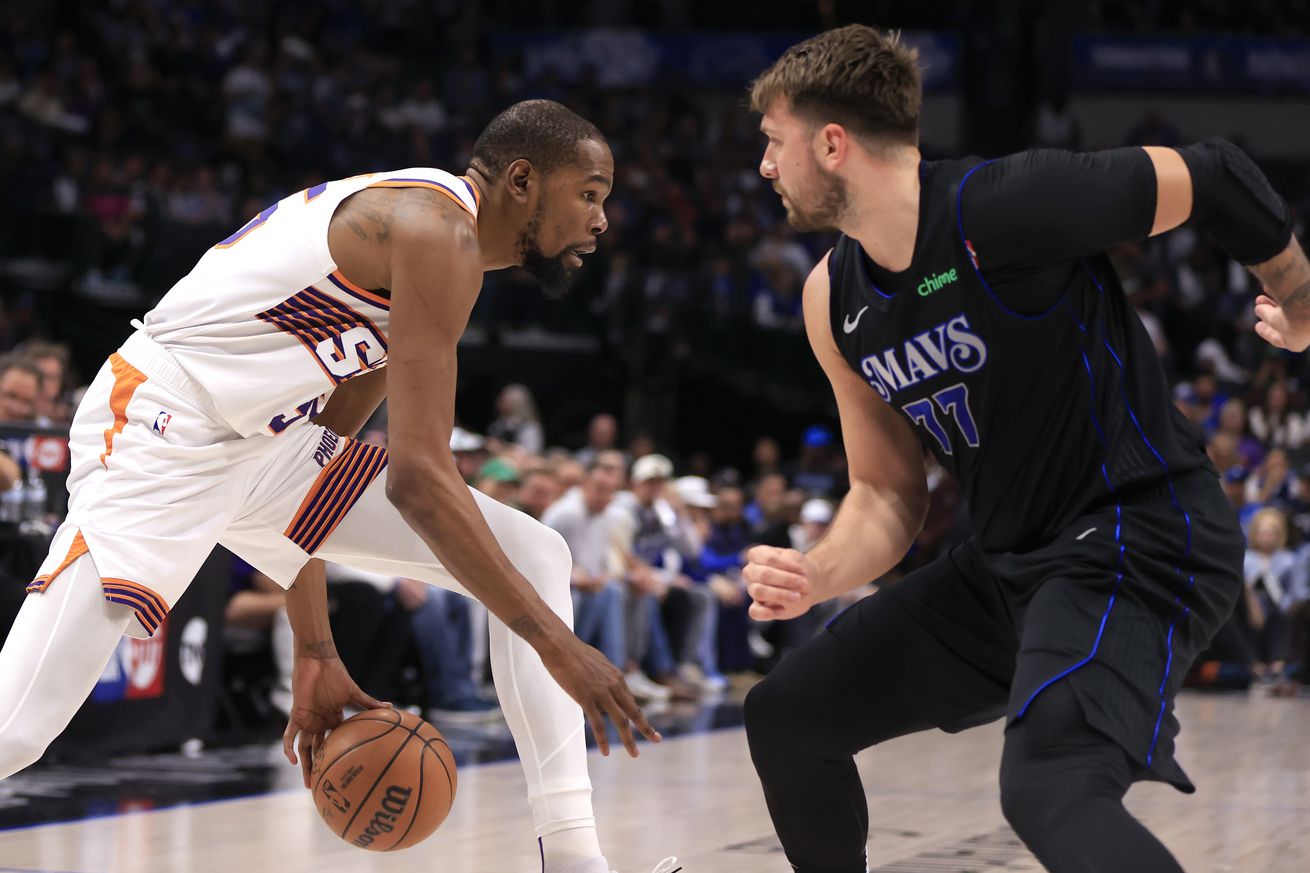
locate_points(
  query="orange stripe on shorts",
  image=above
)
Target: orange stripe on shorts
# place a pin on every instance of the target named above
(126, 380)
(75, 551)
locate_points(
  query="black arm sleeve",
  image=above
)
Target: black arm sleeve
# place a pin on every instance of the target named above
(1044, 206)
(1233, 200)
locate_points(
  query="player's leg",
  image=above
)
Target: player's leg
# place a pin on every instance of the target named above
(933, 650)
(57, 649)
(546, 723)
(1062, 790)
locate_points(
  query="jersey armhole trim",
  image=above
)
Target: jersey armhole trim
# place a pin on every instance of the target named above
(435, 186)
(973, 256)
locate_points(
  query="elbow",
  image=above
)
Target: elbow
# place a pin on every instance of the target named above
(411, 481)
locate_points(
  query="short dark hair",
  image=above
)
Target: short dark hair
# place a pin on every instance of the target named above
(542, 132)
(856, 76)
(13, 361)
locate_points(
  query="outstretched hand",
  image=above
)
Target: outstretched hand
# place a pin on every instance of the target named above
(320, 689)
(589, 678)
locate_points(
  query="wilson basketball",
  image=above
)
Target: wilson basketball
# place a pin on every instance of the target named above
(384, 780)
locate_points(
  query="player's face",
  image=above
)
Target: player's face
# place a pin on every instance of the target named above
(815, 199)
(569, 215)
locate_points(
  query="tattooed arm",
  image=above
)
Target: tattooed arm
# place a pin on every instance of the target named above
(1284, 308)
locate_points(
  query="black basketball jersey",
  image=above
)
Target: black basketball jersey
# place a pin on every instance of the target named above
(1040, 410)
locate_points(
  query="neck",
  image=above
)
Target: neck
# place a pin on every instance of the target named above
(884, 207)
(498, 226)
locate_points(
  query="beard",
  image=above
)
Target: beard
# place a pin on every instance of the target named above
(830, 199)
(553, 273)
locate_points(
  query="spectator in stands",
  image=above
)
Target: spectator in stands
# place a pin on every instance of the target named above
(538, 489)
(517, 420)
(499, 480)
(816, 515)
(1274, 483)
(442, 625)
(1274, 422)
(1200, 400)
(766, 457)
(570, 473)
(1222, 449)
(52, 405)
(664, 538)
(595, 530)
(602, 434)
(1270, 591)
(767, 513)
(256, 662)
(470, 451)
(820, 471)
(1232, 420)
(22, 385)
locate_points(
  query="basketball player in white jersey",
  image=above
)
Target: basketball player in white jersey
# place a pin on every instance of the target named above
(207, 426)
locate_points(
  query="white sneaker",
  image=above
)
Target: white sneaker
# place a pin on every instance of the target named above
(668, 865)
(643, 688)
(697, 678)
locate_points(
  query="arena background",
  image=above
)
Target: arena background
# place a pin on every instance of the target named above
(134, 134)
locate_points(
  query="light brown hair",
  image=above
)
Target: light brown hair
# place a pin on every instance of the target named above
(861, 78)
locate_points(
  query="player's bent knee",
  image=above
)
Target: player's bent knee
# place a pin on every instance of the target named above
(1034, 798)
(770, 716)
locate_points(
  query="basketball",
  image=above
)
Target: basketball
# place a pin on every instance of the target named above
(384, 780)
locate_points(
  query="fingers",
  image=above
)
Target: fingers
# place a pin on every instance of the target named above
(620, 719)
(775, 577)
(364, 703)
(306, 757)
(638, 718)
(1270, 335)
(789, 560)
(765, 612)
(289, 741)
(597, 722)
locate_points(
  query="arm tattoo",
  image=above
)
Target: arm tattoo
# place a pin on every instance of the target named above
(526, 627)
(354, 225)
(1297, 304)
(319, 649)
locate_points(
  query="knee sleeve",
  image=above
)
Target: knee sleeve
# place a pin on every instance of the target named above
(55, 652)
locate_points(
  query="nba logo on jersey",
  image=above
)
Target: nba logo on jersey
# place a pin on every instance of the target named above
(161, 421)
(973, 256)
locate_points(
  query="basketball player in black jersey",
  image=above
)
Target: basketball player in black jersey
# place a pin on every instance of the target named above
(969, 310)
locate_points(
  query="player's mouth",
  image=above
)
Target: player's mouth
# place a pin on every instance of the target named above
(575, 255)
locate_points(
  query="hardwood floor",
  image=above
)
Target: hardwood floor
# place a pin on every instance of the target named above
(932, 800)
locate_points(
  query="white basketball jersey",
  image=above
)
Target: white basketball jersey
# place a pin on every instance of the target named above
(267, 325)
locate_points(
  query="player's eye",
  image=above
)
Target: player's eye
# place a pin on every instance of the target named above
(590, 196)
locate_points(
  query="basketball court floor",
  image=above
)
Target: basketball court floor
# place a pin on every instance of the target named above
(932, 801)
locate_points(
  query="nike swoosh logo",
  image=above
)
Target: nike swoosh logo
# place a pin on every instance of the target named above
(1084, 533)
(848, 325)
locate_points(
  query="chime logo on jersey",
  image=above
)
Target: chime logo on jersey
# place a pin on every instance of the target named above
(951, 345)
(937, 282)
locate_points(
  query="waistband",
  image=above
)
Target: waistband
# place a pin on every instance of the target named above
(161, 367)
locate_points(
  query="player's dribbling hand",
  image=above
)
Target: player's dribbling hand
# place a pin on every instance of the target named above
(320, 689)
(779, 583)
(589, 678)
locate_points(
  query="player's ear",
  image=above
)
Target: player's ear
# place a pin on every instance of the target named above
(831, 145)
(520, 176)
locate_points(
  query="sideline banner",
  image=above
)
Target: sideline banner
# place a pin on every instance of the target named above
(1205, 64)
(617, 58)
